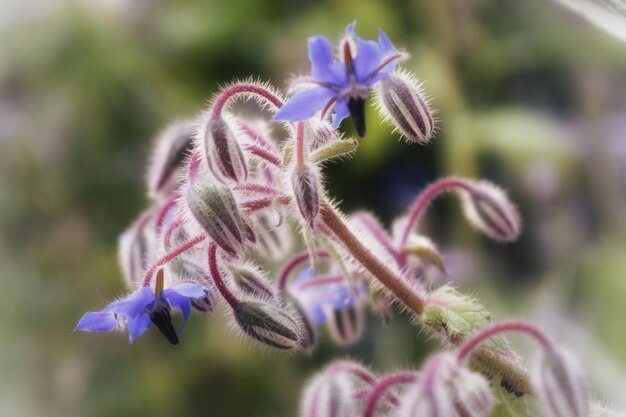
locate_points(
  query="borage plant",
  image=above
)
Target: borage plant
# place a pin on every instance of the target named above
(232, 206)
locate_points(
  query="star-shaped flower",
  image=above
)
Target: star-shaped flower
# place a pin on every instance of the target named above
(142, 308)
(345, 82)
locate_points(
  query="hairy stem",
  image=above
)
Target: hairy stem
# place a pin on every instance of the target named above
(217, 278)
(382, 387)
(183, 247)
(244, 88)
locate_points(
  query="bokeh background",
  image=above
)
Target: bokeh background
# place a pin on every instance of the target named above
(530, 96)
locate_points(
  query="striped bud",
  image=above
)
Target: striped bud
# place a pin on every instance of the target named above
(170, 149)
(560, 385)
(136, 247)
(253, 282)
(327, 395)
(213, 206)
(222, 149)
(488, 208)
(346, 325)
(431, 397)
(305, 182)
(308, 336)
(403, 103)
(268, 324)
(472, 394)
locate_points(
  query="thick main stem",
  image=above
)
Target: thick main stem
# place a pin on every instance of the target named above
(484, 359)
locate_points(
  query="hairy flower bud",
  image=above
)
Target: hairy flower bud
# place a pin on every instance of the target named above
(431, 397)
(305, 182)
(488, 208)
(327, 395)
(252, 281)
(170, 150)
(135, 248)
(403, 103)
(308, 335)
(222, 149)
(472, 394)
(268, 324)
(213, 206)
(560, 385)
(346, 325)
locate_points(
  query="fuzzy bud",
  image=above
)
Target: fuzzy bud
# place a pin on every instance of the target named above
(213, 206)
(222, 149)
(346, 325)
(135, 249)
(308, 336)
(268, 324)
(430, 397)
(560, 385)
(327, 395)
(472, 394)
(253, 282)
(403, 103)
(305, 182)
(171, 148)
(488, 208)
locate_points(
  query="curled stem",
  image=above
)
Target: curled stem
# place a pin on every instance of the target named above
(382, 387)
(244, 88)
(178, 250)
(217, 278)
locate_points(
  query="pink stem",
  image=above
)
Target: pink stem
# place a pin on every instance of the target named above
(424, 198)
(264, 154)
(321, 280)
(243, 88)
(218, 280)
(379, 235)
(469, 346)
(355, 370)
(300, 144)
(257, 188)
(185, 246)
(327, 107)
(254, 134)
(295, 262)
(381, 388)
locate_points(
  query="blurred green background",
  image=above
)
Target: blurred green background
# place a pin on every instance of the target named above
(530, 96)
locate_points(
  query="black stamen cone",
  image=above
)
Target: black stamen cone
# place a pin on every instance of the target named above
(357, 111)
(163, 320)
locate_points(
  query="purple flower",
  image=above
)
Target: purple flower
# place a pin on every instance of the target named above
(142, 308)
(346, 82)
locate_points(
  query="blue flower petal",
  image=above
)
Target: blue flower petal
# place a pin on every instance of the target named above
(303, 105)
(135, 303)
(179, 302)
(385, 44)
(137, 326)
(321, 57)
(367, 59)
(341, 112)
(97, 321)
(189, 290)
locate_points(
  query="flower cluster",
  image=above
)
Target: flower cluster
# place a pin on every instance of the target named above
(241, 217)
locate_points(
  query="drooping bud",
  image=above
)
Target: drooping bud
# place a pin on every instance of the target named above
(251, 280)
(425, 251)
(472, 394)
(224, 155)
(334, 149)
(403, 103)
(328, 394)
(136, 247)
(488, 208)
(346, 325)
(308, 335)
(268, 324)
(305, 181)
(205, 304)
(184, 270)
(213, 206)
(431, 397)
(170, 149)
(560, 385)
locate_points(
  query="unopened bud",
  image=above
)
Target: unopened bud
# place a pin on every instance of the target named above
(425, 250)
(213, 206)
(431, 397)
(403, 103)
(135, 249)
(346, 325)
(184, 270)
(334, 149)
(472, 394)
(222, 149)
(268, 324)
(253, 282)
(327, 395)
(170, 149)
(488, 208)
(560, 385)
(308, 335)
(305, 182)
